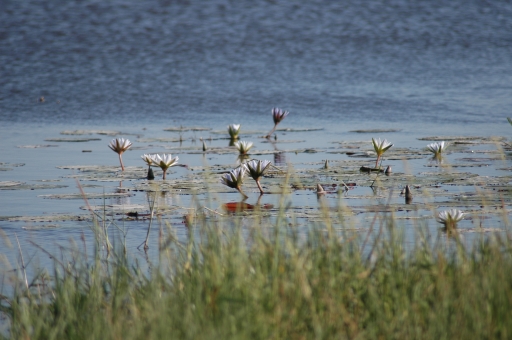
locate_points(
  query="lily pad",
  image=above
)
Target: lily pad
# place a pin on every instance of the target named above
(467, 139)
(40, 227)
(163, 140)
(91, 132)
(189, 128)
(376, 130)
(116, 207)
(37, 146)
(87, 195)
(71, 140)
(26, 186)
(9, 184)
(49, 218)
(299, 130)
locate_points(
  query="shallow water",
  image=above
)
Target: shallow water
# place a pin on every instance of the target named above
(429, 69)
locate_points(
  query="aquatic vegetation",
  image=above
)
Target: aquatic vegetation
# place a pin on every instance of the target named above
(257, 169)
(235, 282)
(164, 162)
(437, 148)
(243, 147)
(277, 115)
(119, 146)
(235, 178)
(234, 130)
(380, 147)
(450, 218)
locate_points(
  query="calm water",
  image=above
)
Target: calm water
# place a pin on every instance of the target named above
(426, 68)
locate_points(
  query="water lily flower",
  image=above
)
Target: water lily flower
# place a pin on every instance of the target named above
(380, 147)
(257, 168)
(147, 158)
(120, 145)
(234, 130)
(235, 178)
(437, 148)
(278, 115)
(164, 162)
(243, 147)
(450, 218)
(149, 161)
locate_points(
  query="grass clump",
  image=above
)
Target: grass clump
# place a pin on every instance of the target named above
(261, 282)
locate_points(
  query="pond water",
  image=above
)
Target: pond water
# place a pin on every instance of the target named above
(346, 72)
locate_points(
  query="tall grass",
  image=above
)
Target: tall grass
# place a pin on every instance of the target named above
(234, 281)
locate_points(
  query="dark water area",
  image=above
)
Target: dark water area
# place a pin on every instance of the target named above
(217, 62)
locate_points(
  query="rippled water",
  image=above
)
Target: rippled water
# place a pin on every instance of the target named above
(423, 68)
(354, 62)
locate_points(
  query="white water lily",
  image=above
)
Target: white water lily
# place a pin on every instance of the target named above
(243, 147)
(277, 115)
(234, 130)
(380, 147)
(120, 145)
(257, 168)
(235, 178)
(450, 218)
(164, 162)
(147, 158)
(437, 148)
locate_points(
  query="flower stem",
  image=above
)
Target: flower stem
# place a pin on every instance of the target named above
(377, 162)
(165, 172)
(259, 187)
(121, 161)
(240, 191)
(272, 131)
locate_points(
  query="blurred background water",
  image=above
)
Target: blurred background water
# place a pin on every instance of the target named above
(421, 67)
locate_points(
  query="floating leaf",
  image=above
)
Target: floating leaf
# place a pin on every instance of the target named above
(71, 140)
